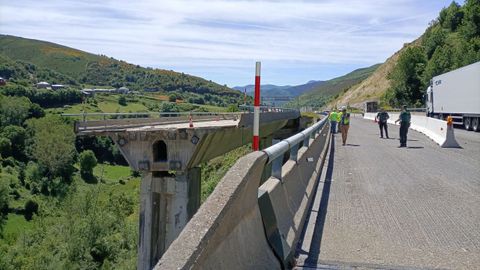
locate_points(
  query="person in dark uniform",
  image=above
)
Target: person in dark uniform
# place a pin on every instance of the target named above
(404, 120)
(382, 118)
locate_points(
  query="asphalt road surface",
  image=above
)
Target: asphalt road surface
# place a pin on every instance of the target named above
(382, 207)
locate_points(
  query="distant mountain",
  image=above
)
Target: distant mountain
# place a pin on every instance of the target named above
(270, 90)
(82, 68)
(300, 89)
(267, 89)
(324, 91)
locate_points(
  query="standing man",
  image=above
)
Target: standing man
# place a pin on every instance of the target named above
(382, 118)
(344, 124)
(404, 119)
(333, 121)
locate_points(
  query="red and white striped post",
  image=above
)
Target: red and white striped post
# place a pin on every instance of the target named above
(256, 110)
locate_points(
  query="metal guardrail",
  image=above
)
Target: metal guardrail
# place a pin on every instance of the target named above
(248, 108)
(106, 116)
(277, 151)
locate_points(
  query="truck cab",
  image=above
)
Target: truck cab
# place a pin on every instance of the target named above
(429, 100)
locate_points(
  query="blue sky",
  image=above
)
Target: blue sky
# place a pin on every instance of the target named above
(220, 40)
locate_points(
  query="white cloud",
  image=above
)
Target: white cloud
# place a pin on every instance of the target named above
(209, 37)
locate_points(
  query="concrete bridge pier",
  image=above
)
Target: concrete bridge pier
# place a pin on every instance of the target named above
(168, 201)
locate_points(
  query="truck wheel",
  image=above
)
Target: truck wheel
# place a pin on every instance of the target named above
(467, 123)
(475, 124)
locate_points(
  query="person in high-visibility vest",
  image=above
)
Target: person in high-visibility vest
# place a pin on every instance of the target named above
(344, 125)
(333, 121)
(339, 117)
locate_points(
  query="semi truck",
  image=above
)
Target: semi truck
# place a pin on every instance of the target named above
(456, 94)
(371, 106)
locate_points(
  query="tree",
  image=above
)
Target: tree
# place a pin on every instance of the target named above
(434, 37)
(35, 111)
(122, 100)
(442, 61)
(172, 97)
(451, 17)
(31, 207)
(14, 110)
(88, 161)
(33, 176)
(406, 78)
(232, 108)
(470, 27)
(53, 145)
(4, 198)
(5, 147)
(169, 107)
(17, 136)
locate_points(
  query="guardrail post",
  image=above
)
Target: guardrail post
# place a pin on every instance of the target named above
(277, 165)
(306, 141)
(294, 152)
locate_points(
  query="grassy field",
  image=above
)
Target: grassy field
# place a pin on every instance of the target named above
(109, 104)
(15, 225)
(111, 174)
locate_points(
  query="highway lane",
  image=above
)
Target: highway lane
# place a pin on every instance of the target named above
(379, 206)
(469, 141)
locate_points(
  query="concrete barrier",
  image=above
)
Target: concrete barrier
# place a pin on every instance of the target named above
(437, 130)
(246, 119)
(227, 231)
(291, 195)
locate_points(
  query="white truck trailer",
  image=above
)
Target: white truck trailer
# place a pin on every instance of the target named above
(457, 94)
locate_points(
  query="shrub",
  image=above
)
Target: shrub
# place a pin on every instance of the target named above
(88, 161)
(5, 147)
(122, 100)
(31, 207)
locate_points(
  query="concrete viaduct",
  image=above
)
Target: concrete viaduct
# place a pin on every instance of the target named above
(304, 201)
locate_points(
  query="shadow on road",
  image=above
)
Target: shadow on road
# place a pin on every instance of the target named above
(415, 147)
(314, 251)
(349, 144)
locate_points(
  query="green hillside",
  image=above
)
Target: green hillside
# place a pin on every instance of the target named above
(68, 61)
(70, 202)
(451, 41)
(320, 95)
(86, 69)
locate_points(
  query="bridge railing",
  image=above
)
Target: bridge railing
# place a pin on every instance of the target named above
(107, 116)
(249, 109)
(276, 153)
(84, 116)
